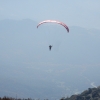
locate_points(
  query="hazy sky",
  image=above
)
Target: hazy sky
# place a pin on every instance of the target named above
(73, 64)
(84, 13)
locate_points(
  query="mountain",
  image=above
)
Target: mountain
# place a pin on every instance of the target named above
(29, 69)
(90, 94)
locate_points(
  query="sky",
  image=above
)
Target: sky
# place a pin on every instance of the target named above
(84, 13)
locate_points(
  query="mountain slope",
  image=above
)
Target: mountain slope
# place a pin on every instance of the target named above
(90, 94)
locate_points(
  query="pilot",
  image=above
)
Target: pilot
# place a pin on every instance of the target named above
(50, 47)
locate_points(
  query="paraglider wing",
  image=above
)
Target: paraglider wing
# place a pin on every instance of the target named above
(54, 21)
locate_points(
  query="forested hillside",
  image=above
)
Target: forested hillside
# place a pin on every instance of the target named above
(90, 94)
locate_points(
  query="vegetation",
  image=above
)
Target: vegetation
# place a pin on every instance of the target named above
(10, 98)
(90, 94)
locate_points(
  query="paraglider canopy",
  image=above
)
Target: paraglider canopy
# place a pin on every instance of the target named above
(54, 21)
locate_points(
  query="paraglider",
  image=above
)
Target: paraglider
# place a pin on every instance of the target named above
(54, 21)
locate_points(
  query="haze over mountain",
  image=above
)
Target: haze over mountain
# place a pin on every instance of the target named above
(29, 69)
